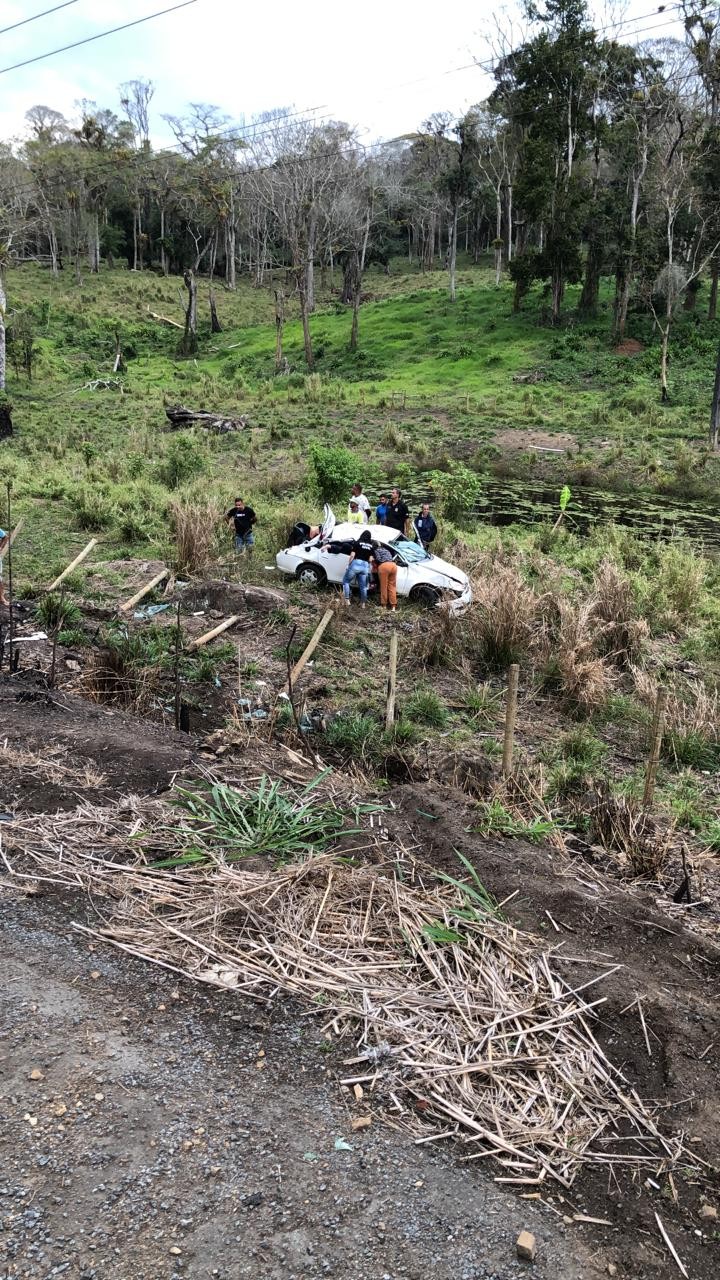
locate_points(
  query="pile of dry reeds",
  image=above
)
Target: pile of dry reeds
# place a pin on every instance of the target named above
(457, 1018)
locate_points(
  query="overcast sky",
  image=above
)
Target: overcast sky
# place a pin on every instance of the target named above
(381, 66)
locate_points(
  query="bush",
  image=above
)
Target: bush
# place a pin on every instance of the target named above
(334, 470)
(56, 612)
(354, 733)
(92, 509)
(183, 461)
(427, 707)
(456, 490)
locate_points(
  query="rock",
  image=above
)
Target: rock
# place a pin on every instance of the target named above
(709, 1213)
(611, 1269)
(36, 1074)
(526, 1246)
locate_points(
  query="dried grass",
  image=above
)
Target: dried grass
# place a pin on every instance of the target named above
(503, 624)
(626, 830)
(623, 635)
(457, 1017)
(586, 677)
(195, 526)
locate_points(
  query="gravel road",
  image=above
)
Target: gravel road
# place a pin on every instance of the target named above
(151, 1129)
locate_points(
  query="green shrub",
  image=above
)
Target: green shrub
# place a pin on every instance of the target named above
(456, 490)
(354, 733)
(334, 470)
(57, 612)
(184, 459)
(425, 706)
(92, 508)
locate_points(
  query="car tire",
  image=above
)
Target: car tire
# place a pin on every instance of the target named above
(426, 595)
(310, 575)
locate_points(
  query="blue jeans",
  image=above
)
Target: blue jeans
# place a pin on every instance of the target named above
(359, 569)
(244, 540)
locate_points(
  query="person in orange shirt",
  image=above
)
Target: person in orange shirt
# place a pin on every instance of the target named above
(387, 576)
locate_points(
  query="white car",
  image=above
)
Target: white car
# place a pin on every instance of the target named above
(422, 577)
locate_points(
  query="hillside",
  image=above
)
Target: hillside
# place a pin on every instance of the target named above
(566, 858)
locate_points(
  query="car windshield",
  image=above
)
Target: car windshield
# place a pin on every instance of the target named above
(412, 552)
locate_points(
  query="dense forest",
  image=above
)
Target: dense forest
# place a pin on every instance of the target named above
(589, 159)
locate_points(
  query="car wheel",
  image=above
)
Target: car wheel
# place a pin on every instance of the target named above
(311, 575)
(425, 594)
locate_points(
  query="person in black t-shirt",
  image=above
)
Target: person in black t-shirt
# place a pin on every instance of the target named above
(359, 568)
(242, 518)
(396, 512)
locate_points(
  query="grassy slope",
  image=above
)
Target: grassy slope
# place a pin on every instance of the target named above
(431, 381)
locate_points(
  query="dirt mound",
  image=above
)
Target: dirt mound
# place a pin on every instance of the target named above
(629, 347)
(58, 749)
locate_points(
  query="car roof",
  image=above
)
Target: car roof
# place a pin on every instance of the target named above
(379, 532)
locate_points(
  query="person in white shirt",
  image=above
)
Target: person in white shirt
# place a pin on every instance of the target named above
(362, 502)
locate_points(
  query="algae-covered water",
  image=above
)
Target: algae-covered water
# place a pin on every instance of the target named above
(506, 502)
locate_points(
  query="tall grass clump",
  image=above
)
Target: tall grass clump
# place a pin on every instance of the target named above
(194, 526)
(502, 624)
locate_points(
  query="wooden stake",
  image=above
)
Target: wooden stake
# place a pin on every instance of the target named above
(159, 577)
(210, 635)
(312, 646)
(391, 684)
(177, 668)
(16, 531)
(510, 716)
(78, 560)
(11, 630)
(658, 728)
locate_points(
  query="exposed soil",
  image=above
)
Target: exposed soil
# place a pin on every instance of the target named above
(629, 347)
(175, 1133)
(517, 439)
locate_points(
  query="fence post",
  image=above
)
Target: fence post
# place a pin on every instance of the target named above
(391, 684)
(658, 728)
(510, 716)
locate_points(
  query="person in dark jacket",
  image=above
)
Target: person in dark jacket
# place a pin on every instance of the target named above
(425, 527)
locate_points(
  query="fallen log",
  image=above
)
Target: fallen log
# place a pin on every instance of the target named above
(74, 564)
(180, 417)
(135, 599)
(210, 635)
(174, 324)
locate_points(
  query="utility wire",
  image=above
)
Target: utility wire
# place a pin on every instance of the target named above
(35, 17)
(100, 36)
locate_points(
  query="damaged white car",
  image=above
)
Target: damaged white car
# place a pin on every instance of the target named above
(422, 577)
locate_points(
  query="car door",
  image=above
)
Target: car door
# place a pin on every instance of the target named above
(334, 564)
(404, 578)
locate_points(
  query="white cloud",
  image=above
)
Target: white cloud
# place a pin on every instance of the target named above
(383, 67)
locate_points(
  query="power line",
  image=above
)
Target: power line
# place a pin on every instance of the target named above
(35, 17)
(100, 36)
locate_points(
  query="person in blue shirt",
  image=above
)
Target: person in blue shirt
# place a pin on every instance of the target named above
(381, 509)
(425, 527)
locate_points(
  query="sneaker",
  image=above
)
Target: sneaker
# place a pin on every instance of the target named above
(393, 609)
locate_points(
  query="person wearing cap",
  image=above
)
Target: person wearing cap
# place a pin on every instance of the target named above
(363, 505)
(4, 543)
(355, 515)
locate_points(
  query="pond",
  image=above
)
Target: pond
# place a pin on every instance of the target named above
(506, 502)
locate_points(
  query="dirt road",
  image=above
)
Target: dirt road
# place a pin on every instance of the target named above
(150, 1130)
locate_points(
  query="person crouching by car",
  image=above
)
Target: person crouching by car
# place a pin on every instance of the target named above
(425, 527)
(387, 576)
(358, 569)
(242, 518)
